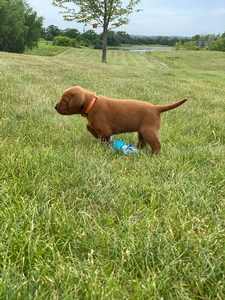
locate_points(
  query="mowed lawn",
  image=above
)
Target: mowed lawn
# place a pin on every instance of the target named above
(78, 220)
(115, 57)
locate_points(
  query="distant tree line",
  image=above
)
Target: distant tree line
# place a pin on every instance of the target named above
(89, 38)
(209, 42)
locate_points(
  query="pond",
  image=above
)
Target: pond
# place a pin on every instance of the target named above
(142, 49)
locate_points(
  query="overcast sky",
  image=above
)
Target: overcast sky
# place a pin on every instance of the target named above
(159, 17)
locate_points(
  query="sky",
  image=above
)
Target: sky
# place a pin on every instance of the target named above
(158, 17)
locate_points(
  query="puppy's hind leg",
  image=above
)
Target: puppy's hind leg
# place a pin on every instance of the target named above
(141, 141)
(151, 138)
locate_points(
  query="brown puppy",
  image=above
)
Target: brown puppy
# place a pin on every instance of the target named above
(108, 116)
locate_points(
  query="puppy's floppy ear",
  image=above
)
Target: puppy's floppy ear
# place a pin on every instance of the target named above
(77, 100)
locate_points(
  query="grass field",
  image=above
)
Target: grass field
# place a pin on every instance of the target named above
(79, 221)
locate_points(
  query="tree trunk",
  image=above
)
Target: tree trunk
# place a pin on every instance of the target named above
(104, 45)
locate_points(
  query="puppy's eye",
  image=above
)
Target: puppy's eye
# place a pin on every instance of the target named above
(63, 100)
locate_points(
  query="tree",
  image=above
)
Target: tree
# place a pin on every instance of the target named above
(218, 45)
(124, 38)
(91, 36)
(71, 33)
(106, 13)
(190, 46)
(178, 46)
(112, 38)
(20, 28)
(203, 41)
(51, 31)
(34, 27)
(64, 41)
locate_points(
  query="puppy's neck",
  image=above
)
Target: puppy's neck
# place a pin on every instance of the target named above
(85, 113)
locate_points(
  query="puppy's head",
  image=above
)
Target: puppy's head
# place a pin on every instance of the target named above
(72, 101)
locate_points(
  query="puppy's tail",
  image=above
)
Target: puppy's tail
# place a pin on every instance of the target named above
(162, 108)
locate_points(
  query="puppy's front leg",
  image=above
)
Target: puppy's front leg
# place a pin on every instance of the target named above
(103, 137)
(92, 131)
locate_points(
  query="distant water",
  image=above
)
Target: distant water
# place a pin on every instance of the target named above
(144, 49)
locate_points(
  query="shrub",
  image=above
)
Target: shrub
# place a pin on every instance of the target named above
(98, 45)
(177, 46)
(64, 41)
(190, 46)
(218, 45)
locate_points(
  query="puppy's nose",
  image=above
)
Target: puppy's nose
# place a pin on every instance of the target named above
(55, 106)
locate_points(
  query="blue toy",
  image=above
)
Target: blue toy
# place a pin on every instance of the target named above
(121, 147)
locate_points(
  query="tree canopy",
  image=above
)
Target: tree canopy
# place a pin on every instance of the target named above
(20, 27)
(105, 13)
(218, 45)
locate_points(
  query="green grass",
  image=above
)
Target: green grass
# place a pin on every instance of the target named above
(45, 48)
(77, 220)
(201, 60)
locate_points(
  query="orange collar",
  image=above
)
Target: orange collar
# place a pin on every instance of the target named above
(85, 113)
